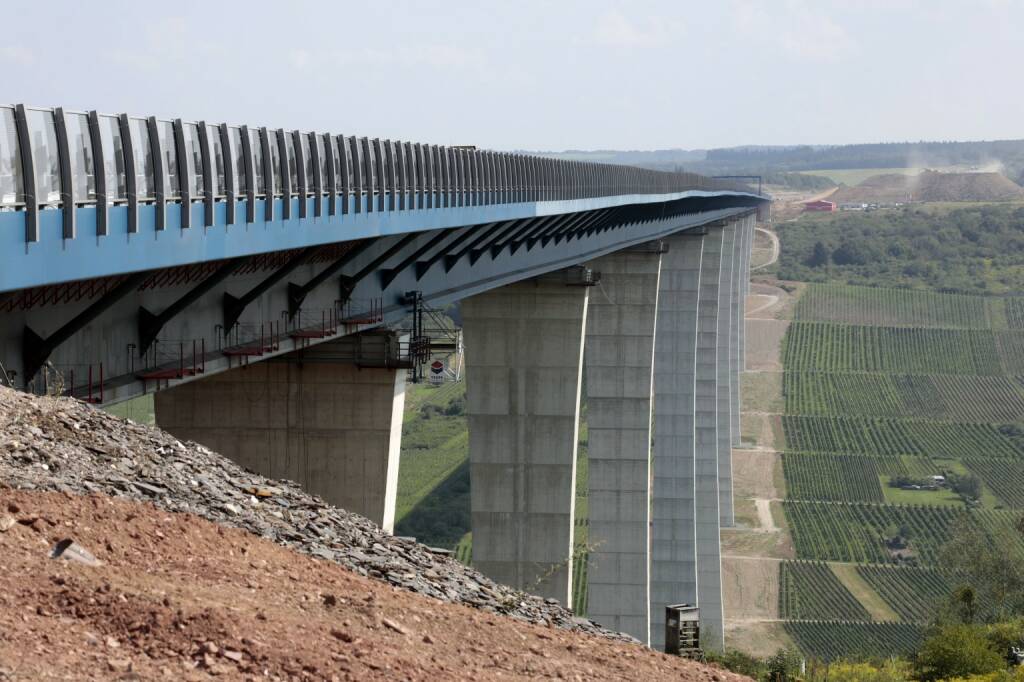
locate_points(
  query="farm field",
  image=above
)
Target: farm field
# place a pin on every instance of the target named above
(829, 347)
(1004, 477)
(831, 640)
(914, 593)
(879, 383)
(809, 590)
(826, 531)
(983, 399)
(832, 478)
(896, 307)
(893, 437)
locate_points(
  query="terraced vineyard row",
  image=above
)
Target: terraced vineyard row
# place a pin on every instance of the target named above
(987, 399)
(913, 593)
(809, 590)
(1004, 478)
(837, 478)
(892, 307)
(1014, 312)
(890, 437)
(824, 347)
(1011, 351)
(859, 532)
(829, 641)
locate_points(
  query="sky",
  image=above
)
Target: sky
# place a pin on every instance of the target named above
(536, 74)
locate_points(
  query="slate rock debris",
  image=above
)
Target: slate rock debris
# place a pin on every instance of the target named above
(63, 445)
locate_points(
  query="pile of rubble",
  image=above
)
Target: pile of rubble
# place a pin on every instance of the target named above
(64, 445)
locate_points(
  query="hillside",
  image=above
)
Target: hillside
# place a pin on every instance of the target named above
(969, 249)
(194, 567)
(872, 393)
(931, 186)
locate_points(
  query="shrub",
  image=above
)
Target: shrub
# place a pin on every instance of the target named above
(957, 651)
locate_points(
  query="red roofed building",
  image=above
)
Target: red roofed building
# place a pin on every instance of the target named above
(820, 205)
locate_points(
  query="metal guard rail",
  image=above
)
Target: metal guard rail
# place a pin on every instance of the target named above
(80, 159)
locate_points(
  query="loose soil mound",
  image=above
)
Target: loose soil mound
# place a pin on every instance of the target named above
(931, 186)
(178, 597)
(68, 446)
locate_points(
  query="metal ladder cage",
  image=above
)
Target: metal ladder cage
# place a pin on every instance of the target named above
(682, 631)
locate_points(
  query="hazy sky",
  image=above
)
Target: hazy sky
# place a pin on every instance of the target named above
(537, 74)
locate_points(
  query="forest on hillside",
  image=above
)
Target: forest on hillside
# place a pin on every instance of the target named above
(976, 250)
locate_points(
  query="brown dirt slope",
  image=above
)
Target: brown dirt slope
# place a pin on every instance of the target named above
(178, 597)
(67, 446)
(931, 186)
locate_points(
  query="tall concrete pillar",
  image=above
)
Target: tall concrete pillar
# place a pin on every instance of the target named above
(673, 511)
(619, 360)
(747, 252)
(728, 356)
(328, 425)
(709, 561)
(524, 355)
(736, 314)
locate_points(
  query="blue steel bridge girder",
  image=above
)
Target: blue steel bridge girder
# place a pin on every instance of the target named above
(439, 286)
(147, 176)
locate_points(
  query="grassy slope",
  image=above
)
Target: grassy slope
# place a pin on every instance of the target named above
(855, 176)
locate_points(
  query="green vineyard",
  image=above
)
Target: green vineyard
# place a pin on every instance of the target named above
(1015, 312)
(822, 347)
(860, 532)
(882, 534)
(829, 641)
(986, 399)
(1011, 351)
(880, 383)
(809, 590)
(1004, 478)
(892, 437)
(833, 478)
(913, 593)
(893, 307)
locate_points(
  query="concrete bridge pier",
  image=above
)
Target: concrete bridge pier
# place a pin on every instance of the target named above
(524, 355)
(740, 276)
(328, 417)
(619, 365)
(673, 510)
(728, 352)
(706, 447)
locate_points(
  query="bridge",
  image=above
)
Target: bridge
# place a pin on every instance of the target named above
(262, 282)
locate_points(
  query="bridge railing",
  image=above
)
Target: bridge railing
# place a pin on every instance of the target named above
(53, 158)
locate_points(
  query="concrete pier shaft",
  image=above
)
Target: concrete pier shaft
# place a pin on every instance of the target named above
(673, 511)
(728, 356)
(524, 354)
(709, 560)
(736, 312)
(328, 425)
(619, 361)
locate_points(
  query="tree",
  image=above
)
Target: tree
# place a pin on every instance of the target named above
(783, 666)
(967, 485)
(957, 651)
(986, 566)
(853, 253)
(820, 256)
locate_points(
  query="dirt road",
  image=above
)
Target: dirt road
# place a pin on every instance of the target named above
(775, 249)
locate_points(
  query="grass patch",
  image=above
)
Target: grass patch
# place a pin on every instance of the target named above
(855, 176)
